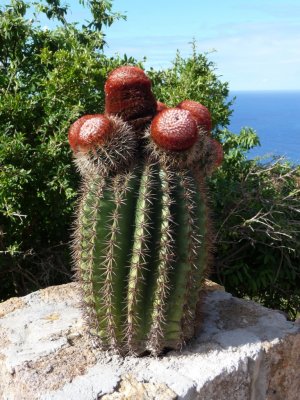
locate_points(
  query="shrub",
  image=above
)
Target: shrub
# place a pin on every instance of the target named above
(48, 79)
(256, 206)
(194, 78)
(256, 209)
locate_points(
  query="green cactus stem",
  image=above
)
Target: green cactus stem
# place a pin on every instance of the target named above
(141, 261)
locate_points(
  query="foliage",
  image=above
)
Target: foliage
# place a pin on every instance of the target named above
(194, 78)
(256, 206)
(48, 78)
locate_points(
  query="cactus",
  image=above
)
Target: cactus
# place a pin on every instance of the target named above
(142, 241)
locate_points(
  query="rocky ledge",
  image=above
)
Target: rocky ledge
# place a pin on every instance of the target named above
(244, 351)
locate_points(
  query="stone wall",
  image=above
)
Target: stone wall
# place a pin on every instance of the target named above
(244, 351)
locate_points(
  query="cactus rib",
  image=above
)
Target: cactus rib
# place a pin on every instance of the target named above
(139, 254)
(166, 255)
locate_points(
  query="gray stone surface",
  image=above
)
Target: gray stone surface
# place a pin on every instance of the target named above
(244, 351)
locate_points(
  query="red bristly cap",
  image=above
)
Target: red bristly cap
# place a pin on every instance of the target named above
(128, 94)
(174, 129)
(199, 112)
(88, 131)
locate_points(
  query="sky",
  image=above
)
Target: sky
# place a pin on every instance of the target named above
(254, 43)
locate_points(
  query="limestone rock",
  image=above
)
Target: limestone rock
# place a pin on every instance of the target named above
(130, 388)
(244, 351)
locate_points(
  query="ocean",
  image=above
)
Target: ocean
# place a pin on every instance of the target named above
(275, 116)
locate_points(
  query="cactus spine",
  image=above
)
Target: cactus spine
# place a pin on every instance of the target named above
(142, 237)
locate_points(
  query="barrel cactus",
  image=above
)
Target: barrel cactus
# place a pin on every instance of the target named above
(142, 238)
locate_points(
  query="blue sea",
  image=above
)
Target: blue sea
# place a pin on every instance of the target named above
(275, 116)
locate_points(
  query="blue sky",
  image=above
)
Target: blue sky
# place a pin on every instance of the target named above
(257, 42)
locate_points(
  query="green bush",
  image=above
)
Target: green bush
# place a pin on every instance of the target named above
(51, 77)
(256, 206)
(194, 78)
(48, 79)
(256, 209)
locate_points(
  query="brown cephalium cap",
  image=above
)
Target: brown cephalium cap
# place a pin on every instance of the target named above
(128, 94)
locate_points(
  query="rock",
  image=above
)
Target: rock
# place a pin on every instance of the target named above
(244, 351)
(130, 388)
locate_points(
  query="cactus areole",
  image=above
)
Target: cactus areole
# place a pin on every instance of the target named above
(142, 236)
